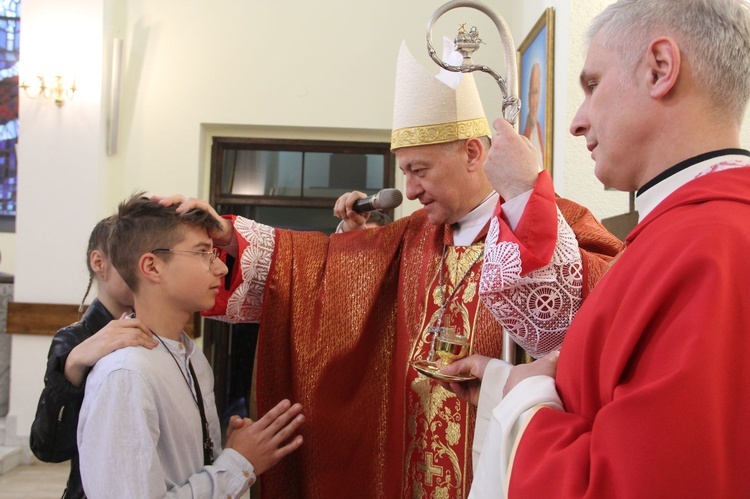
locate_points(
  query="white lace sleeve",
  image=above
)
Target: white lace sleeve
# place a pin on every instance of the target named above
(535, 309)
(246, 300)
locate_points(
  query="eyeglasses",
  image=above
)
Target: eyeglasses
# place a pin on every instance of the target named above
(212, 255)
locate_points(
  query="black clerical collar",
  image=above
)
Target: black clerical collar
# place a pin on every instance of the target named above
(688, 163)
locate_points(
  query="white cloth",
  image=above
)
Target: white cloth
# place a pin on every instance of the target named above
(468, 228)
(495, 375)
(139, 432)
(506, 423)
(513, 208)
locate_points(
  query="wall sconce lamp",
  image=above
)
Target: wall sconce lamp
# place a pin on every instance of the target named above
(58, 90)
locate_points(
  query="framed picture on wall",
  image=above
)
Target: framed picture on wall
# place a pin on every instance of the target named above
(536, 68)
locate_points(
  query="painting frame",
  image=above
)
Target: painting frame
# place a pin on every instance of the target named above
(537, 118)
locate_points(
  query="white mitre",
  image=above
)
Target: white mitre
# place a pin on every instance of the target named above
(432, 109)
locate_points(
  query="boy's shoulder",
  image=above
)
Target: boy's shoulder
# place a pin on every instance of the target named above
(136, 359)
(147, 363)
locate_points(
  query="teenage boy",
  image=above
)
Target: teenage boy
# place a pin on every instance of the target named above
(149, 426)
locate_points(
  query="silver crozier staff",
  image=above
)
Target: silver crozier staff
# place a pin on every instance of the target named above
(466, 43)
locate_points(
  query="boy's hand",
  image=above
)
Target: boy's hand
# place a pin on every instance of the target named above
(235, 423)
(266, 441)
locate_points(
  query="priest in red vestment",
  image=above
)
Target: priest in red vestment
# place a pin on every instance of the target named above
(645, 397)
(343, 317)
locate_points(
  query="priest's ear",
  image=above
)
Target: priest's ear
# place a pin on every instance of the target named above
(475, 152)
(662, 66)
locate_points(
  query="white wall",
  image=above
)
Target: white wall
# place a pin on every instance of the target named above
(573, 167)
(61, 174)
(284, 64)
(7, 252)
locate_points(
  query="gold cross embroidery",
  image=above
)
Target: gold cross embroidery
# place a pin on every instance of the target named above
(429, 469)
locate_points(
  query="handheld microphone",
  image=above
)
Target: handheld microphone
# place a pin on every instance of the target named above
(383, 200)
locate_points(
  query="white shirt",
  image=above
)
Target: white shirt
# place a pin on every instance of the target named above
(139, 432)
(469, 227)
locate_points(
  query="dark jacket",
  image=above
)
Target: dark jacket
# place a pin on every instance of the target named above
(53, 433)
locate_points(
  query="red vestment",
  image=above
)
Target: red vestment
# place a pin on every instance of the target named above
(653, 368)
(341, 319)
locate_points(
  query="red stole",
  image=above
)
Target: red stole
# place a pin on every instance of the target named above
(438, 434)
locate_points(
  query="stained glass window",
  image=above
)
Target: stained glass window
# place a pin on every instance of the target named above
(10, 23)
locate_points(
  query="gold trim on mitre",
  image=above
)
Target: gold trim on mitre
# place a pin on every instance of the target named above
(431, 109)
(438, 134)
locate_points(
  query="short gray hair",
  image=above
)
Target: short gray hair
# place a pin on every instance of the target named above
(455, 144)
(713, 35)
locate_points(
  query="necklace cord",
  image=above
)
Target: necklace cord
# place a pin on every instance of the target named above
(208, 444)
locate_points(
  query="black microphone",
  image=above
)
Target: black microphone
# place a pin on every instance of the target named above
(383, 200)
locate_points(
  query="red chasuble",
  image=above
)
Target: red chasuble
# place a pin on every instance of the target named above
(653, 373)
(375, 427)
(341, 319)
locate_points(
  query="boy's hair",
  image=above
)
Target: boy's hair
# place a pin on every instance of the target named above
(97, 241)
(142, 225)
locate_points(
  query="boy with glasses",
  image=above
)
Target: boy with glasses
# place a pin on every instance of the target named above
(148, 426)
